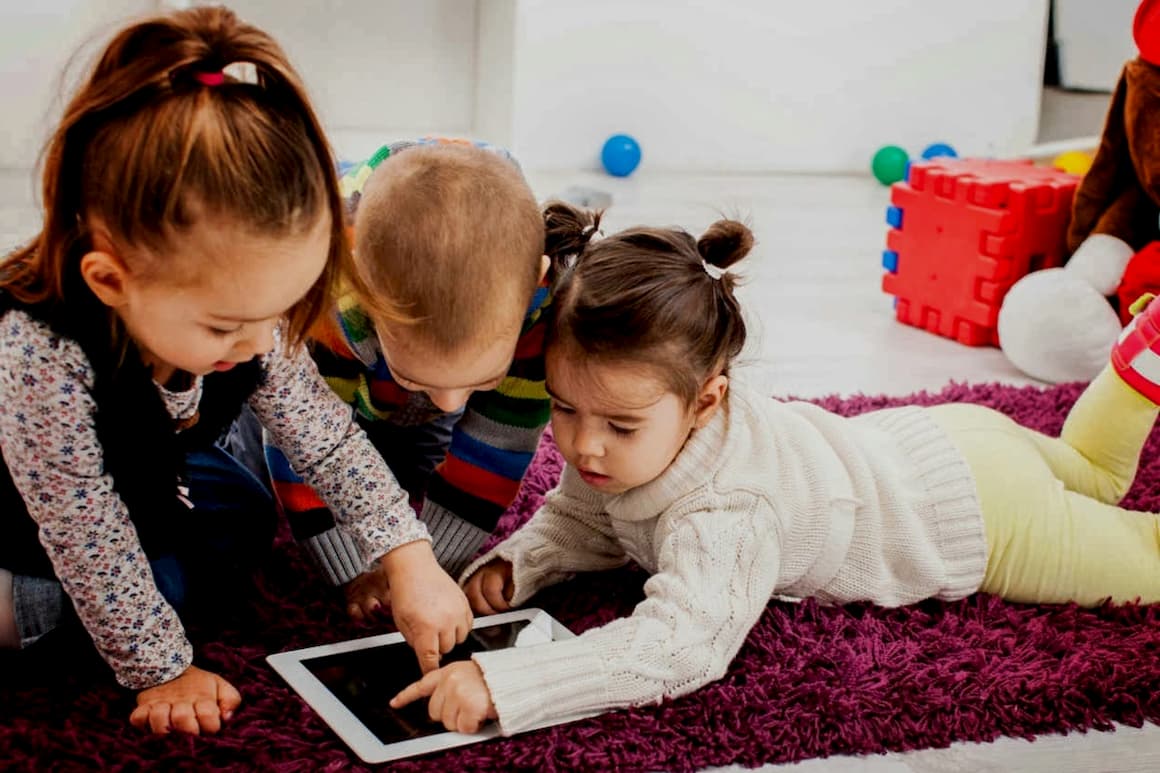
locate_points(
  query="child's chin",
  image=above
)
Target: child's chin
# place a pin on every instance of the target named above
(605, 485)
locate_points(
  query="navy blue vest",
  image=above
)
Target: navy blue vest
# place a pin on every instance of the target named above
(142, 448)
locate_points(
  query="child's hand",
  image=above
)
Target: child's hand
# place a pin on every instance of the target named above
(429, 608)
(195, 702)
(489, 590)
(368, 594)
(459, 696)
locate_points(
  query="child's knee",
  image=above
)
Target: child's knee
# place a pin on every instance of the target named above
(1109, 486)
(38, 607)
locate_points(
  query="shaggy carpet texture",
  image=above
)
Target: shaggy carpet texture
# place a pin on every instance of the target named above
(810, 681)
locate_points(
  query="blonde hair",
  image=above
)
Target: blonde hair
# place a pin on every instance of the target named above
(452, 237)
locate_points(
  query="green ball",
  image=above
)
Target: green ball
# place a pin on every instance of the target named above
(889, 165)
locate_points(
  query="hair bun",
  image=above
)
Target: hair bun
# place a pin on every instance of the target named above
(725, 243)
(568, 229)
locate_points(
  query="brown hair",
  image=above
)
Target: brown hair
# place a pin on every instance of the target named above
(147, 149)
(644, 295)
(452, 234)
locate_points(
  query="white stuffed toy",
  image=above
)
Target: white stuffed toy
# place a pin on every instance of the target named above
(1056, 324)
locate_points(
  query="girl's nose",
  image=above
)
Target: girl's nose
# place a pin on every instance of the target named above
(260, 339)
(588, 443)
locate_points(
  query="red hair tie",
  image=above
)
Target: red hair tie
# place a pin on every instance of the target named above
(210, 78)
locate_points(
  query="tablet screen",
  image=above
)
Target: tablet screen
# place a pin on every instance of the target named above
(365, 680)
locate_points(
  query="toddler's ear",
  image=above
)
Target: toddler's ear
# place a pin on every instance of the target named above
(709, 399)
(106, 276)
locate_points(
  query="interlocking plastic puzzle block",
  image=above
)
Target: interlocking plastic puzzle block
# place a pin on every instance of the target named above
(962, 232)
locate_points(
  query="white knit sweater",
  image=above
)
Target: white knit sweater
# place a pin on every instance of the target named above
(770, 498)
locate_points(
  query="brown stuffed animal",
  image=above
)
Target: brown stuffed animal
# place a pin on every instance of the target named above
(1120, 194)
(1057, 324)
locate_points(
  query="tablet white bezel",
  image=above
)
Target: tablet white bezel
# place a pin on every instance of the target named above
(347, 726)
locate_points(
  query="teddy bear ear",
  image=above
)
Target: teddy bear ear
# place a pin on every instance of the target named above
(1111, 172)
(1146, 31)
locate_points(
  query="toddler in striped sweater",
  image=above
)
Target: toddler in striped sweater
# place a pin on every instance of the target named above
(452, 397)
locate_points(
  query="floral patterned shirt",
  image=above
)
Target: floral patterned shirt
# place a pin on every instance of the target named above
(49, 442)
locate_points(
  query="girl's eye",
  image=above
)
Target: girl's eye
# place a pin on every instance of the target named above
(622, 431)
(222, 333)
(562, 408)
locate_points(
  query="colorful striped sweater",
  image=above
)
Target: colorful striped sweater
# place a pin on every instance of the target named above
(492, 443)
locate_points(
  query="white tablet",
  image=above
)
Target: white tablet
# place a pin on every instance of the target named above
(350, 684)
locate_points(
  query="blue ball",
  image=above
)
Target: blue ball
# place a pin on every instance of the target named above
(939, 149)
(620, 156)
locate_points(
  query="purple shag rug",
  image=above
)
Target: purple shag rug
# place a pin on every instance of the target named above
(810, 681)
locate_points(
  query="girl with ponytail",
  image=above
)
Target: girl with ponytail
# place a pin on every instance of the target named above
(730, 498)
(193, 229)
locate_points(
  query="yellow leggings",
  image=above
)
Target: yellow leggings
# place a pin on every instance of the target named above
(1054, 530)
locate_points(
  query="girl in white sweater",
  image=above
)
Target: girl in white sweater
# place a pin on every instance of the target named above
(729, 498)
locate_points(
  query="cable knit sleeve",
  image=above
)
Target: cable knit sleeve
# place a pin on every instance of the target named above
(570, 533)
(49, 440)
(317, 432)
(716, 573)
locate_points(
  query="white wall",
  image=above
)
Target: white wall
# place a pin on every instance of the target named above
(774, 84)
(38, 38)
(1094, 41)
(379, 69)
(376, 69)
(746, 85)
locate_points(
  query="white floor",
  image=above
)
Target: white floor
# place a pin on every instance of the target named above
(820, 325)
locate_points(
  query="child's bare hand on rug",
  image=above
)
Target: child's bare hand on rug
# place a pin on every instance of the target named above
(489, 590)
(429, 608)
(195, 702)
(459, 696)
(369, 594)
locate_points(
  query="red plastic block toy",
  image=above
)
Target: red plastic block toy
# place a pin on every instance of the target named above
(963, 231)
